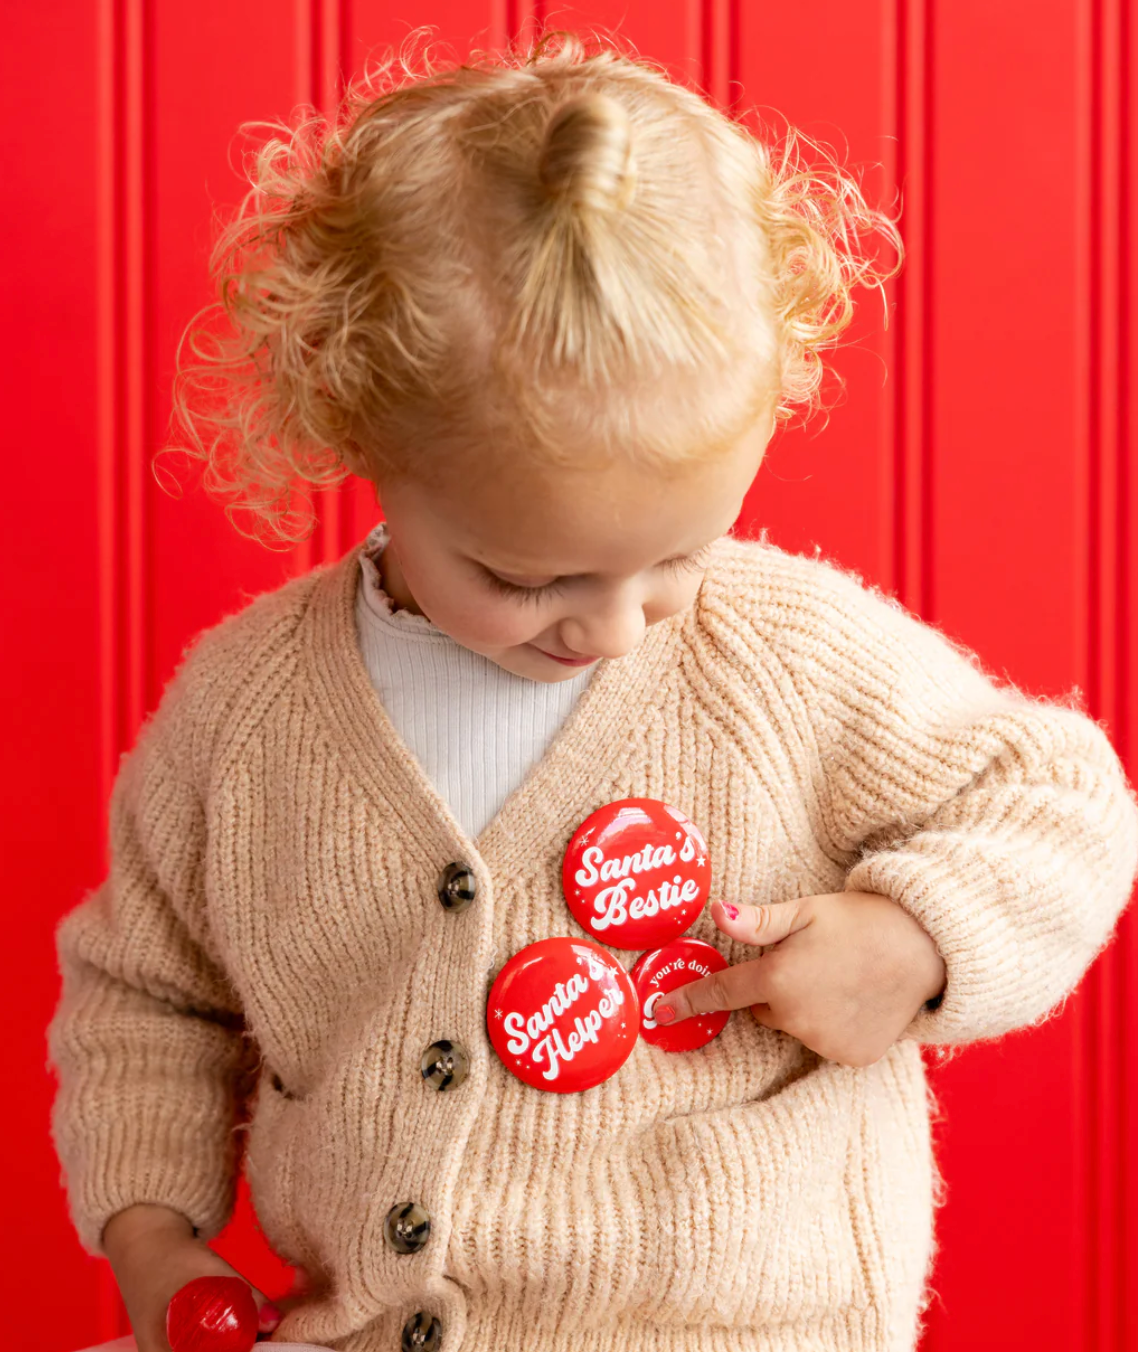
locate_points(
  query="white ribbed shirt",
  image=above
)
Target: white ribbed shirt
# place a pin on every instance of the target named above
(475, 728)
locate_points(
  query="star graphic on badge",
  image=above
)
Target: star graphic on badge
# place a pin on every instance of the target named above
(701, 861)
(497, 1013)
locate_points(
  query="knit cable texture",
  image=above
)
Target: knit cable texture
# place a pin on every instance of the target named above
(256, 979)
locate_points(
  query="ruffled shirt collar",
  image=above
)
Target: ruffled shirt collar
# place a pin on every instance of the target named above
(377, 601)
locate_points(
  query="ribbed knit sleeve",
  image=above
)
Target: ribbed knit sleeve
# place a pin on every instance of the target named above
(147, 1039)
(1004, 824)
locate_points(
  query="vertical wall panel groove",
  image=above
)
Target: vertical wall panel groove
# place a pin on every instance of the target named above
(912, 452)
(892, 401)
(327, 63)
(1088, 1284)
(719, 53)
(1126, 952)
(719, 44)
(106, 359)
(1114, 1070)
(1099, 1149)
(123, 383)
(1125, 673)
(321, 65)
(135, 358)
(308, 552)
(1102, 395)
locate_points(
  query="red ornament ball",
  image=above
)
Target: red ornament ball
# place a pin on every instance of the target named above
(212, 1314)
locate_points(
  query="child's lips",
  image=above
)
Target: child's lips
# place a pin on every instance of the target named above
(567, 661)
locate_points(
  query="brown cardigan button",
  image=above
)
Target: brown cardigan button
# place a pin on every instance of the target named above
(422, 1333)
(407, 1227)
(457, 888)
(445, 1064)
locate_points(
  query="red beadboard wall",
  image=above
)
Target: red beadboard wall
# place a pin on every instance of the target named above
(979, 464)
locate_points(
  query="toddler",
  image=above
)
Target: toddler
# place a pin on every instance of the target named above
(553, 306)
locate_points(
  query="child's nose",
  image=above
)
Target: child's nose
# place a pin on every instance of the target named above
(611, 632)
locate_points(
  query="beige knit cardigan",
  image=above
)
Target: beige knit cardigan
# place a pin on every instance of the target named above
(268, 959)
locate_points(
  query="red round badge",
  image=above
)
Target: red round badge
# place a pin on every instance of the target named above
(562, 1015)
(636, 873)
(662, 970)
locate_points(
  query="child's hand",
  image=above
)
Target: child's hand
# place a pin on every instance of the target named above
(153, 1253)
(846, 974)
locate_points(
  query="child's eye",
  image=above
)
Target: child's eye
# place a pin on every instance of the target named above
(520, 593)
(689, 562)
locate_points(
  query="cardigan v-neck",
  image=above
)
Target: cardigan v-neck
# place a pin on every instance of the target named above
(618, 696)
(475, 728)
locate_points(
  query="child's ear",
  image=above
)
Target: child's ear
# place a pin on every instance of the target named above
(353, 458)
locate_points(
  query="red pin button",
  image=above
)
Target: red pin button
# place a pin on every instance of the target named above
(636, 873)
(562, 1015)
(662, 970)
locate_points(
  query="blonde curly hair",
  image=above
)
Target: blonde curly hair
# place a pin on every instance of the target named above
(562, 253)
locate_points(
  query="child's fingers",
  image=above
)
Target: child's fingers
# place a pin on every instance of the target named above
(268, 1317)
(761, 925)
(733, 988)
(762, 1014)
(298, 1294)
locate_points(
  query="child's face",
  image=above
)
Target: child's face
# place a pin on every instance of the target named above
(545, 564)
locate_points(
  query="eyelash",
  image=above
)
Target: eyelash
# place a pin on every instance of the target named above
(521, 593)
(674, 566)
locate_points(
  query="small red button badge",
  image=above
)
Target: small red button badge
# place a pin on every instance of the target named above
(662, 970)
(562, 1015)
(636, 873)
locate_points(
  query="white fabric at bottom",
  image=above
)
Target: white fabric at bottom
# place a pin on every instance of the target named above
(128, 1344)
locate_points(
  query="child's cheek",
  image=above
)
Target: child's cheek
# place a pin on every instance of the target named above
(473, 618)
(492, 630)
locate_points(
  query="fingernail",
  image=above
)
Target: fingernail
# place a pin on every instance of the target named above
(731, 912)
(664, 1014)
(268, 1317)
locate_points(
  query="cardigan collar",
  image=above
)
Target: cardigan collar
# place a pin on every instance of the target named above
(557, 792)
